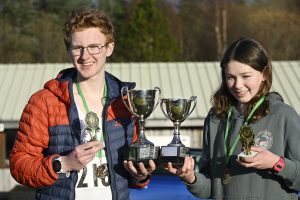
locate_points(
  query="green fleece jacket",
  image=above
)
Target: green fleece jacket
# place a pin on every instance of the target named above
(280, 130)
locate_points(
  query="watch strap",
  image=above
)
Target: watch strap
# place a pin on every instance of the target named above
(278, 167)
(58, 167)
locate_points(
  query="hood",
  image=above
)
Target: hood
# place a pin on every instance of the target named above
(274, 97)
(62, 84)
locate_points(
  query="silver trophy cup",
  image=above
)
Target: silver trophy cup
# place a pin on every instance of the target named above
(177, 110)
(141, 104)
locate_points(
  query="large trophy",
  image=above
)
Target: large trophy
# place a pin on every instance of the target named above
(177, 110)
(141, 103)
(247, 140)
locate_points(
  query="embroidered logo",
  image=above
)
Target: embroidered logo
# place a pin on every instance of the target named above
(264, 139)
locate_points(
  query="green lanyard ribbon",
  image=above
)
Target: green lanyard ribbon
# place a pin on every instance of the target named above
(229, 153)
(83, 98)
(99, 154)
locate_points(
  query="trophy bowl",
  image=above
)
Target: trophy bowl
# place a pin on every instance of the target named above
(176, 110)
(141, 103)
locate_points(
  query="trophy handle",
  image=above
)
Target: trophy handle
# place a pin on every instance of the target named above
(162, 108)
(159, 94)
(124, 92)
(194, 100)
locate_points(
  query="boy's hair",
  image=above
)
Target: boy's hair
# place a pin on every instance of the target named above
(88, 18)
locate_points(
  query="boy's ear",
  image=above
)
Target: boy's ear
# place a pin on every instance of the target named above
(110, 48)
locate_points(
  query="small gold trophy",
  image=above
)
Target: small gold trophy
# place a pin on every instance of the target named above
(247, 140)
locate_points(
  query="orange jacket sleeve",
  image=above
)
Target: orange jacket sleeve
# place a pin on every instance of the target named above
(28, 165)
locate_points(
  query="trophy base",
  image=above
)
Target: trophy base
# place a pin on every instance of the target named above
(142, 154)
(173, 154)
(244, 155)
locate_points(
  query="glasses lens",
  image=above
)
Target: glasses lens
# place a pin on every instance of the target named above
(94, 49)
(75, 51)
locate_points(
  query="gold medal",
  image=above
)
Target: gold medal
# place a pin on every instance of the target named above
(102, 171)
(226, 177)
(92, 124)
(92, 127)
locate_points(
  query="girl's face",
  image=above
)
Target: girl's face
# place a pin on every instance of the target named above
(242, 81)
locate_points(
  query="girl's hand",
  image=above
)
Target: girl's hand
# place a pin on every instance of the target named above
(186, 172)
(264, 159)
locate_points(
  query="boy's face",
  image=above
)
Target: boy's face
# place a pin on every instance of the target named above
(88, 51)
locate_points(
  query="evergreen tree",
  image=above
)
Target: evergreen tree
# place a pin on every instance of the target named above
(145, 35)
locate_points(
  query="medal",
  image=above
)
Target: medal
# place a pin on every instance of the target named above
(246, 136)
(92, 121)
(226, 177)
(92, 127)
(102, 171)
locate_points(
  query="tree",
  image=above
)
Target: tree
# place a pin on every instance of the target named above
(198, 38)
(152, 30)
(279, 30)
(31, 30)
(145, 35)
(116, 10)
(16, 21)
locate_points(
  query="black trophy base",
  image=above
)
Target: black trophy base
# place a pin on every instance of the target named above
(142, 154)
(173, 154)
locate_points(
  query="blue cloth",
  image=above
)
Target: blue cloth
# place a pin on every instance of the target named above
(163, 187)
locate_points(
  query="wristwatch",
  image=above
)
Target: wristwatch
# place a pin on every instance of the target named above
(279, 165)
(58, 167)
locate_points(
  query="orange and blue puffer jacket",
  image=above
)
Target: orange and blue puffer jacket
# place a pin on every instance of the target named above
(49, 127)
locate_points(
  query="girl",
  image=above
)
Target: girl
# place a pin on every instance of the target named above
(244, 111)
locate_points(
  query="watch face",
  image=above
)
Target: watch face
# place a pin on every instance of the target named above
(56, 165)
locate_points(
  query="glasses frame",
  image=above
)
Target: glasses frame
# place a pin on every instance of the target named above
(81, 49)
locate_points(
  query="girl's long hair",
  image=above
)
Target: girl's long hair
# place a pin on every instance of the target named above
(250, 52)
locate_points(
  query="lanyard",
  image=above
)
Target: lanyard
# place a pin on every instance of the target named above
(83, 98)
(232, 148)
(87, 108)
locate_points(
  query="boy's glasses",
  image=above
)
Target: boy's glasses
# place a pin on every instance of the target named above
(92, 49)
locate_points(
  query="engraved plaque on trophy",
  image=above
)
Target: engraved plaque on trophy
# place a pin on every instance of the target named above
(141, 104)
(177, 110)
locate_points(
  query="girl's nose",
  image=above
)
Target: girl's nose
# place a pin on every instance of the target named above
(238, 83)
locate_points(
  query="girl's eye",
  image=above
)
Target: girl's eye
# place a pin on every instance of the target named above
(229, 77)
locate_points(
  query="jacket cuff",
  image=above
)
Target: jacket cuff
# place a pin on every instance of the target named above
(140, 184)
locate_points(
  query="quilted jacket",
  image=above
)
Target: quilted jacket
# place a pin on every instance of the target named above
(49, 127)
